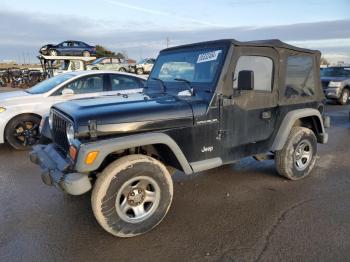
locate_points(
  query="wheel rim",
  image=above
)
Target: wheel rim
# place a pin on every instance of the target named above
(303, 155)
(53, 53)
(26, 133)
(345, 97)
(86, 54)
(138, 199)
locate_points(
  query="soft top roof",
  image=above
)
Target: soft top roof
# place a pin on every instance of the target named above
(275, 43)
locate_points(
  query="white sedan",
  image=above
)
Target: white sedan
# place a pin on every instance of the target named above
(21, 111)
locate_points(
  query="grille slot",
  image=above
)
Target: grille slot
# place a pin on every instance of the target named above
(59, 126)
(325, 84)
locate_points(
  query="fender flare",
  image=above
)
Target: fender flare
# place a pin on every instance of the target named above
(108, 146)
(288, 122)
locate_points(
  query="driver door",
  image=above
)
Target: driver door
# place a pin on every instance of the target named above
(249, 116)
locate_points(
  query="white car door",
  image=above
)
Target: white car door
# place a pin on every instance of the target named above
(84, 87)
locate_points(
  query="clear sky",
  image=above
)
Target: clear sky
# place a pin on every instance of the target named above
(140, 28)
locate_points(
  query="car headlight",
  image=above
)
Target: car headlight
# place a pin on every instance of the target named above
(50, 119)
(70, 133)
(334, 84)
(2, 109)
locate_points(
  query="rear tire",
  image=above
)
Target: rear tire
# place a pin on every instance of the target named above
(122, 69)
(22, 132)
(53, 52)
(344, 98)
(132, 195)
(298, 156)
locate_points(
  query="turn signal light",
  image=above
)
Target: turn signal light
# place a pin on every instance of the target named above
(91, 157)
(73, 152)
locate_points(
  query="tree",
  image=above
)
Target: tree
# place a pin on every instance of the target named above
(324, 61)
(102, 51)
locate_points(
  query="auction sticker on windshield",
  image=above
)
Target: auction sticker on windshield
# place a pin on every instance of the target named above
(210, 56)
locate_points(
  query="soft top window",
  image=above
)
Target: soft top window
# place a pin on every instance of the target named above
(300, 79)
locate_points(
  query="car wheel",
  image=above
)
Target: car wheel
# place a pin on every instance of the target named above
(86, 53)
(122, 69)
(298, 156)
(132, 195)
(344, 98)
(94, 68)
(139, 71)
(53, 52)
(22, 132)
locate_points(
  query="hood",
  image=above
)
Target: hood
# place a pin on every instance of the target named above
(16, 97)
(112, 116)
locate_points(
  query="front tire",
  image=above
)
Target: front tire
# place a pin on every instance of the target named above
(344, 97)
(298, 156)
(139, 71)
(22, 132)
(122, 69)
(132, 195)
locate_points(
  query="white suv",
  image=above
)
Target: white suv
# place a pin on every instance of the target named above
(21, 111)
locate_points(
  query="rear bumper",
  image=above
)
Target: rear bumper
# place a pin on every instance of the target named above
(55, 171)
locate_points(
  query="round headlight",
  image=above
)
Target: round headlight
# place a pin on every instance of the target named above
(50, 119)
(70, 133)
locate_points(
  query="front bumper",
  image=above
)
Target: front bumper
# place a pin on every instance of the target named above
(55, 170)
(332, 93)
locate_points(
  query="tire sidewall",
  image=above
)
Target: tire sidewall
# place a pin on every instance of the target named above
(111, 180)
(344, 93)
(303, 134)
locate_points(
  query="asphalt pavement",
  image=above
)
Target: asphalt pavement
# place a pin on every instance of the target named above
(239, 212)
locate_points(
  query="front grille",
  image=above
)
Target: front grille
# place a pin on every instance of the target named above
(325, 84)
(59, 126)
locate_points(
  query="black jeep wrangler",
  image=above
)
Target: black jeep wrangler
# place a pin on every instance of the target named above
(205, 105)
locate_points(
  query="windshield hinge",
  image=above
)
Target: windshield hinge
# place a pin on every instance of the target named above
(93, 128)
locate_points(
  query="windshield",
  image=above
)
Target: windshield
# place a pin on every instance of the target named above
(200, 67)
(49, 84)
(336, 72)
(97, 61)
(142, 61)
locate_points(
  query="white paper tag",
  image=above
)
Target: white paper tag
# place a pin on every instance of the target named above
(210, 56)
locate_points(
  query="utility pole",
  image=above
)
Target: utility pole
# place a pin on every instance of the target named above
(167, 42)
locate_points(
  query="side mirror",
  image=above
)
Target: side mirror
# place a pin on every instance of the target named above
(245, 80)
(67, 92)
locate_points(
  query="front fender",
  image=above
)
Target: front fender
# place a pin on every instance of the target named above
(108, 146)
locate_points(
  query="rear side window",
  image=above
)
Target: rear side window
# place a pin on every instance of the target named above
(120, 82)
(300, 79)
(262, 68)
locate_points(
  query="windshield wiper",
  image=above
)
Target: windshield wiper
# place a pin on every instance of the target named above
(163, 89)
(190, 88)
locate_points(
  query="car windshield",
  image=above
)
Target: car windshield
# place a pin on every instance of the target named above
(49, 84)
(336, 72)
(195, 67)
(97, 61)
(142, 61)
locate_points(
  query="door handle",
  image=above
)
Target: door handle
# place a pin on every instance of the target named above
(266, 115)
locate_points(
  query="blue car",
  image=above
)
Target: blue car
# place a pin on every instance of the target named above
(76, 48)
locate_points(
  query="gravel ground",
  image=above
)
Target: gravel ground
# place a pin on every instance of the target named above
(240, 212)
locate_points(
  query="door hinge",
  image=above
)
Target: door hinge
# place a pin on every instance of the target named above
(221, 134)
(93, 128)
